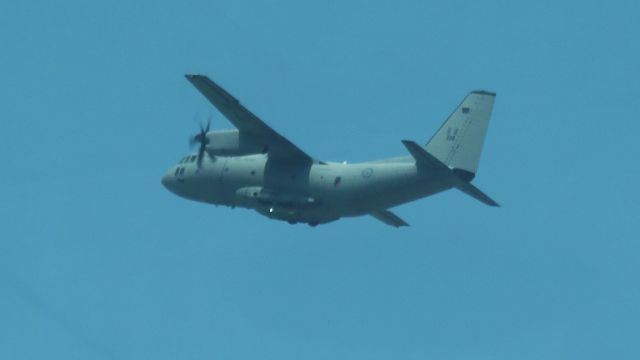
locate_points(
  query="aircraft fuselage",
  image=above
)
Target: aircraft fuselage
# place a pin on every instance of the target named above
(317, 193)
(255, 167)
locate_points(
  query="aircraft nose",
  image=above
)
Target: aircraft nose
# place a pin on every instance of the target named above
(167, 180)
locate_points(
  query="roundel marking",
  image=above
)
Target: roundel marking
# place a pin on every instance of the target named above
(366, 173)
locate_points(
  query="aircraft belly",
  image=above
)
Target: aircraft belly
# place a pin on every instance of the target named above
(408, 193)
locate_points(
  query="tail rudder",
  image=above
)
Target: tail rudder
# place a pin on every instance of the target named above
(458, 142)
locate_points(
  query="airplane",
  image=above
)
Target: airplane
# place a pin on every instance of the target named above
(255, 167)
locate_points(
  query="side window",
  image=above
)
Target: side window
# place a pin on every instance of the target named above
(337, 181)
(193, 158)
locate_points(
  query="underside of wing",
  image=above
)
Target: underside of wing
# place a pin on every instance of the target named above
(278, 146)
(389, 218)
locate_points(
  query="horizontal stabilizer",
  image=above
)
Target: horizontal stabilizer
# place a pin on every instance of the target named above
(476, 193)
(422, 156)
(389, 218)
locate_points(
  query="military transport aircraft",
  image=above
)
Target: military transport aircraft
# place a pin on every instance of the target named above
(255, 167)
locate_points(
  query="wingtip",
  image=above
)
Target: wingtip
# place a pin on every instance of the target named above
(193, 76)
(492, 202)
(409, 143)
(484, 92)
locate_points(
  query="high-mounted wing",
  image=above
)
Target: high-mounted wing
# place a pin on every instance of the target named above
(278, 146)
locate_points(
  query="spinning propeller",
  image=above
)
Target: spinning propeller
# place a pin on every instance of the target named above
(201, 138)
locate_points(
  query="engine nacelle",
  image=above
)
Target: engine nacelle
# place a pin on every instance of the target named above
(233, 143)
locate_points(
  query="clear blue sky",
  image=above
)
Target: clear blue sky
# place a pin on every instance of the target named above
(99, 261)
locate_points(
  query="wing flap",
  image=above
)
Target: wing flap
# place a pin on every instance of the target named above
(389, 218)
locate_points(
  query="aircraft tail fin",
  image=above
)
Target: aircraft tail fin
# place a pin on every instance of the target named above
(458, 142)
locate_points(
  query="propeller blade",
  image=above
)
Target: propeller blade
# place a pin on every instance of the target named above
(208, 124)
(200, 155)
(201, 138)
(193, 141)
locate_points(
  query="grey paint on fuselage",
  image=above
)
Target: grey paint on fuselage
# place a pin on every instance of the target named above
(255, 167)
(320, 193)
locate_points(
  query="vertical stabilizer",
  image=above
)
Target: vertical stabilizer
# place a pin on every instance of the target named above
(458, 143)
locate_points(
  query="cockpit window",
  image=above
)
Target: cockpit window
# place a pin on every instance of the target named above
(193, 158)
(181, 171)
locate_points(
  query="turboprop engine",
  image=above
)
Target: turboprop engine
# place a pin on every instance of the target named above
(232, 143)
